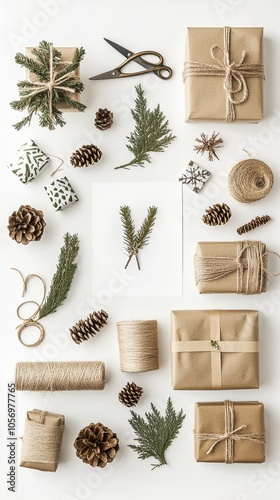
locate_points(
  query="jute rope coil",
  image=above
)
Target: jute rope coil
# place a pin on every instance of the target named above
(250, 180)
(138, 345)
(60, 376)
(41, 443)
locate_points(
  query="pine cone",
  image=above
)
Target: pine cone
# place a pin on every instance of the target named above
(130, 394)
(86, 328)
(26, 224)
(253, 224)
(96, 445)
(85, 156)
(103, 119)
(217, 215)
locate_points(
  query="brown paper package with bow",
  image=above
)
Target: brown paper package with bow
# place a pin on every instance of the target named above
(223, 74)
(230, 432)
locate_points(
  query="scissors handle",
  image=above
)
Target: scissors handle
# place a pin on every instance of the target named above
(158, 68)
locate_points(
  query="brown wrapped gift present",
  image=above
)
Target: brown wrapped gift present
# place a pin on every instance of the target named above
(224, 74)
(230, 432)
(231, 267)
(67, 54)
(214, 349)
(42, 440)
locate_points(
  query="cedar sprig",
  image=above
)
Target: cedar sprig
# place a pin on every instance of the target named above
(151, 133)
(155, 434)
(135, 241)
(39, 103)
(208, 145)
(63, 277)
(253, 224)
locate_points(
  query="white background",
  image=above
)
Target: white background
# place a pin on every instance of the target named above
(157, 25)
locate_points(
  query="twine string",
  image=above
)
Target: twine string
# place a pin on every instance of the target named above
(234, 74)
(230, 435)
(60, 376)
(41, 443)
(250, 180)
(30, 320)
(138, 345)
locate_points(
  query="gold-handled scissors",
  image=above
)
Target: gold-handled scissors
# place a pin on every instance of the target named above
(158, 68)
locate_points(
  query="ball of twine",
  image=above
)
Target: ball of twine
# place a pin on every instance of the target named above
(250, 180)
(138, 345)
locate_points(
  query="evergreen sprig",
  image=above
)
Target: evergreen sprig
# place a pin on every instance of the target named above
(39, 103)
(156, 433)
(151, 134)
(135, 241)
(63, 277)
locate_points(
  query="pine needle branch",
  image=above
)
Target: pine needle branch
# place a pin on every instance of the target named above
(63, 277)
(155, 434)
(151, 133)
(135, 241)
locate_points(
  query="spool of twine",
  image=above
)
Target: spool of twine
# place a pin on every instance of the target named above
(41, 445)
(138, 345)
(250, 180)
(60, 376)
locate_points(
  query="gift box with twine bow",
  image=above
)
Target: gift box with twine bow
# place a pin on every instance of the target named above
(223, 74)
(229, 432)
(214, 349)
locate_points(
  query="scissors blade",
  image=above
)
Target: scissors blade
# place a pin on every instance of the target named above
(108, 75)
(127, 53)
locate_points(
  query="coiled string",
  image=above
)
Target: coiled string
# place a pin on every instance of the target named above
(250, 180)
(60, 376)
(138, 345)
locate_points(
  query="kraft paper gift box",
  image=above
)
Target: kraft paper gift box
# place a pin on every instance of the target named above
(219, 62)
(67, 54)
(231, 267)
(214, 349)
(45, 430)
(230, 432)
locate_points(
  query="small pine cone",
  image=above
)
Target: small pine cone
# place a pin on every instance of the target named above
(85, 156)
(103, 119)
(26, 224)
(253, 224)
(130, 394)
(86, 328)
(96, 445)
(217, 215)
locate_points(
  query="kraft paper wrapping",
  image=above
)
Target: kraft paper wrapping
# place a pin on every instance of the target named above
(210, 418)
(52, 420)
(205, 96)
(196, 365)
(228, 283)
(67, 54)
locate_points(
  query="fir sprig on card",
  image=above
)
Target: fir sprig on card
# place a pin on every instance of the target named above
(55, 82)
(63, 277)
(151, 134)
(135, 241)
(156, 433)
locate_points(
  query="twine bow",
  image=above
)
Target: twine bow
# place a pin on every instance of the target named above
(234, 73)
(54, 83)
(230, 435)
(31, 320)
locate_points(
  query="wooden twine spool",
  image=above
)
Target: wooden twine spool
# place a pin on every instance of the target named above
(250, 180)
(138, 345)
(60, 376)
